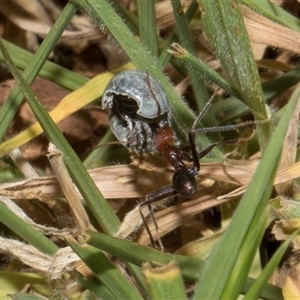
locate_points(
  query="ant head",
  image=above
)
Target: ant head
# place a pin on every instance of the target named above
(185, 183)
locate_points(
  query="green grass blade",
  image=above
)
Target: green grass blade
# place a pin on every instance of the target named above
(130, 17)
(223, 24)
(50, 70)
(105, 271)
(252, 209)
(233, 108)
(14, 282)
(137, 255)
(190, 60)
(255, 290)
(165, 54)
(97, 288)
(26, 231)
(190, 267)
(147, 26)
(164, 282)
(273, 12)
(12, 103)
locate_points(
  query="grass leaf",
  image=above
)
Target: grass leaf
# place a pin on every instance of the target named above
(230, 253)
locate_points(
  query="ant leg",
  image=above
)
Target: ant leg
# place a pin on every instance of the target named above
(205, 108)
(155, 196)
(145, 222)
(196, 162)
(191, 135)
(206, 150)
(229, 127)
(195, 155)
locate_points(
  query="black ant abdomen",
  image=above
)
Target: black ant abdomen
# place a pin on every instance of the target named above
(184, 182)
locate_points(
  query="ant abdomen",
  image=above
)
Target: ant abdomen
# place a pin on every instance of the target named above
(184, 182)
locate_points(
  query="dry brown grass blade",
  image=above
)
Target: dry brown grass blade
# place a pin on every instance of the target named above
(25, 253)
(76, 207)
(47, 230)
(33, 16)
(164, 13)
(135, 183)
(55, 266)
(284, 175)
(132, 183)
(30, 15)
(264, 31)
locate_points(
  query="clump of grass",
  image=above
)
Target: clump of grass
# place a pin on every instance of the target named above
(224, 274)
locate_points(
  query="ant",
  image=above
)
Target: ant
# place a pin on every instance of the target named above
(184, 178)
(125, 103)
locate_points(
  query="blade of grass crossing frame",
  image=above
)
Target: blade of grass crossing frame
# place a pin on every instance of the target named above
(147, 26)
(136, 254)
(223, 24)
(203, 69)
(50, 70)
(15, 98)
(106, 271)
(26, 231)
(233, 108)
(230, 253)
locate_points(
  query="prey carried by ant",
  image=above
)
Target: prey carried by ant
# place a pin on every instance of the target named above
(140, 118)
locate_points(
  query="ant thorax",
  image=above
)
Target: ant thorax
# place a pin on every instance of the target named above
(138, 109)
